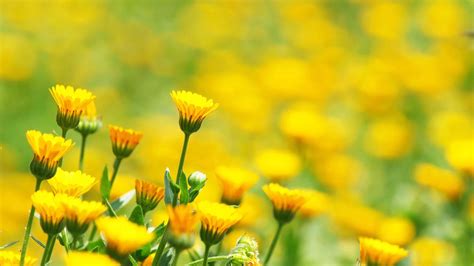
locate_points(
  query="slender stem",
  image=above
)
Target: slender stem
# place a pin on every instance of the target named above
(181, 164)
(48, 250)
(63, 134)
(83, 149)
(28, 227)
(52, 248)
(209, 259)
(273, 244)
(175, 260)
(206, 255)
(161, 247)
(114, 173)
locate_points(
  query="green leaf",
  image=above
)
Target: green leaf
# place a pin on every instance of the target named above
(194, 191)
(167, 258)
(169, 194)
(105, 184)
(9, 244)
(159, 230)
(96, 246)
(122, 200)
(137, 216)
(183, 184)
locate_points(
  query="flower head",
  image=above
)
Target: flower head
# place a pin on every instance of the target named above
(317, 203)
(182, 219)
(235, 182)
(192, 108)
(444, 181)
(79, 258)
(216, 219)
(148, 195)
(121, 235)
(50, 209)
(71, 104)
(74, 184)
(286, 202)
(79, 214)
(278, 165)
(89, 122)
(382, 253)
(10, 258)
(123, 140)
(48, 150)
(459, 155)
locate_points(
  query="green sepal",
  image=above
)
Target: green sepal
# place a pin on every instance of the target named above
(137, 216)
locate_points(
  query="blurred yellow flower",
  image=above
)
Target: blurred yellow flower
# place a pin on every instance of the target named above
(74, 184)
(50, 209)
(428, 251)
(301, 123)
(443, 19)
(192, 108)
(182, 221)
(446, 126)
(148, 195)
(79, 214)
(123, 140)
(459, 154)
(253, 211)
(382, 253)
(389, 138)
(395, 230)
(343, 212)
(10, 258)
(216, 219)
(278, 165)
(318, 203)
(286, 202)
(235, 182)
(18, 57)
(130, 238)
(385, 20)
(441, 180)
(80, 258)
(149, 260)
(338, 171)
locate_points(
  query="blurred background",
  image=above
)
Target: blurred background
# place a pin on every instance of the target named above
(368, 102)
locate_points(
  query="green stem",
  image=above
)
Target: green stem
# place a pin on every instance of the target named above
(181, 164)
(63, 134)
(206, 255)
(175, 260)
(114, 174)
(210, 259)
(273, 244)
(83, 149)
(28, 227)
(111, 209)
(66, 240)
(48, 250)
(161, 247)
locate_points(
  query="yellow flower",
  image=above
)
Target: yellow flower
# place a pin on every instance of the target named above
(123, 140)
(439, 179)
(301, 123)
(337, 171)
(50, 209)
(192, 108)
(382, 253)
(79, 214)
(18, 57)
(278, 165)
(235, 182)
(10, 258)
(459, 154)
(430, 252)
(286, 202)
(385, 20)
(398, 231)
(444, 19)
(148, 195)
(216, 219)
(48, 150)
(89, 122)
(79, 258)
(182, 220)
(317, 204)
(343, 211)
(74, 184)
(389, 138)
(71, 104)
(121, 235)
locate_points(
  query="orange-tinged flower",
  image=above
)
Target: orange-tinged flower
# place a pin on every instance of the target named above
(441, 180)
(216, 219)
(382, 253)
(286, 202)
(148, 195)
(79, 214)
(123, 140)
(10, 258)
(71, 104)
(74, 184)
(182, 221)
(235, 182)
(80, 258)
(193, 109)
(50, 209)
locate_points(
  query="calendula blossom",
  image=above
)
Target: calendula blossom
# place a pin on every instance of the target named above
(89, 122)
(122, 236)
(71, 104)
(193, 109)
(10, 258)
(51, 211)
(76, 258)
(123, 140)
(182, 223)
(235, 182)
(48, 150)
(80, 214)
(148, 195)
(216, 220)
(286, 202)
(74, 184)
(379, 252)
(441, 180)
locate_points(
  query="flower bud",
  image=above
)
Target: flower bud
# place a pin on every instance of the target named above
(197, 178)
